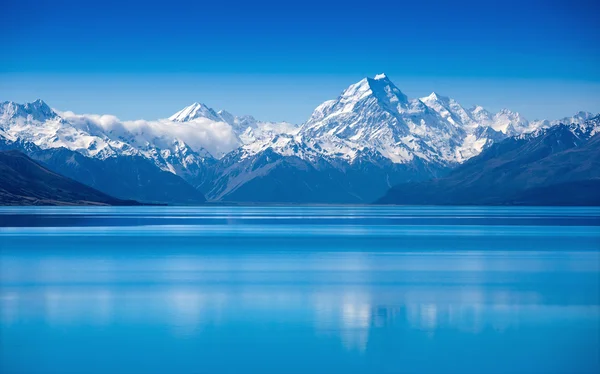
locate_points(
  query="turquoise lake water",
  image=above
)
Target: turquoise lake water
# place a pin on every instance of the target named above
(299, 290)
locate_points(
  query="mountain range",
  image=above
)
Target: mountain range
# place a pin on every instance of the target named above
(352, 149)
(559, 165)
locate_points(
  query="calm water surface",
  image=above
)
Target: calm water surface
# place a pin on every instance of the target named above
(299, 290)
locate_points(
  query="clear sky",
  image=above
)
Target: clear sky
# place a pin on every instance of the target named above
(278, 60)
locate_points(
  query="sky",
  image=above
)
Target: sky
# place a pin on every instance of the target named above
(278, 60)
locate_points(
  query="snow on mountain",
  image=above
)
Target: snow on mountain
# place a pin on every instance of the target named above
(373, 115)
(266, 130)
(186, 145)
(509, 123)
(481, 115)
(578, 118)
(376, 115)
(172, 146)
(583, 129)
(247, 128)
(557, 165)
(194, 111)
(35, 111)
(371, 127)
(450, 110)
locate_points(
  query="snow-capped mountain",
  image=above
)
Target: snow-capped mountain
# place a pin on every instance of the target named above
(369, 138)
(581, 127)
(451, 111)
(35, 111)
(173, 147)
(195, 111)
(247, 128)
(578, 118)
(373, 132)
(351, 149)
(375, 114)
(506, 122)
(557, 165)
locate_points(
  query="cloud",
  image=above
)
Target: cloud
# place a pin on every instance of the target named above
(218, 138)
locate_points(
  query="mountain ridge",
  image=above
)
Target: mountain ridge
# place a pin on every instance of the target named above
(371, 130)
(510, 171)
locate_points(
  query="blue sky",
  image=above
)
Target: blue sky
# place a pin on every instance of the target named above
(277, 60)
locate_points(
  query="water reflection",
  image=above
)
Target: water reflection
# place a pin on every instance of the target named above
(383, 292)
(360, 321)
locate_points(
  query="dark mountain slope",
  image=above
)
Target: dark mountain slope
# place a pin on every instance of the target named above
(269, 177)
(123, 177)
(25, 182)
(552, 162)
(584, 192)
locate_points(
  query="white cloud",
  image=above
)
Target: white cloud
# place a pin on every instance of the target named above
(217, 138)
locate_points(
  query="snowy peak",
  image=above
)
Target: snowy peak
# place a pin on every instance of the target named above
(380, 87)
(38, 106)
(450, 110)
(226, 116)
(437, 102)
(580, 117)
(577, 118)
(509, 122)
(368, 94)
(481, 115)
(505, 121)
(370, 117)
(383, 88)
(246, 128)
(198, 110)
(374, 114)
(195, 111)
(36, 111)
(479, 110)
(434, 96)
(585, 115)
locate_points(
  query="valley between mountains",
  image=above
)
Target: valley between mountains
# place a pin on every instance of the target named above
(371, 143)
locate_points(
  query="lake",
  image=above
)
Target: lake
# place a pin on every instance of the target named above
(299, 290)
